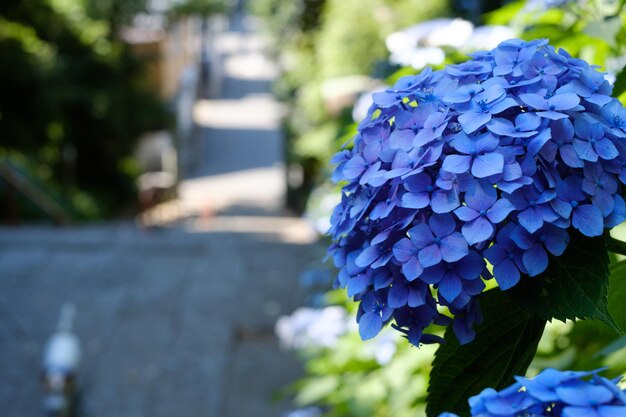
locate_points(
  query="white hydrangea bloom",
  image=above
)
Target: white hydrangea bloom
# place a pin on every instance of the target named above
(488, 37)
(313, 327)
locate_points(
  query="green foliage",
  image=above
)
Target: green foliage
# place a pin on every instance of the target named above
(353, 31)
(348, 381)
(617, 293)
(504, 346)
(114, 12)
(72, 205)
(340, 47)
(589, 344)
(585, 283)
(619, 88)
(575, 285)
(592, 30)
(320, 42)
(74, 98)
(203, 8)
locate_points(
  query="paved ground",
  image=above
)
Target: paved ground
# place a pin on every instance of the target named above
(237, 157)
(174, 322)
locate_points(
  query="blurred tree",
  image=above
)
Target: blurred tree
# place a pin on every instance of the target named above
(74, 98)
(115, 12)
(202, 8)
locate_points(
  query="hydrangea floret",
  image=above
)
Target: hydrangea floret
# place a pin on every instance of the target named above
(552, 393)
(499, 159)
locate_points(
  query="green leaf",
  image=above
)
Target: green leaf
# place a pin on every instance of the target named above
(617, 293)
(315, 389)
(620, 83)
(504, 346)
(613, 347)
(575, 285)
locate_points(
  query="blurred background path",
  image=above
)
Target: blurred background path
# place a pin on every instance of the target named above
(178, 321)
(235, 157)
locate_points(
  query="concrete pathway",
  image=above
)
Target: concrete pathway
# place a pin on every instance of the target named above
(237, 153)
(174, 322)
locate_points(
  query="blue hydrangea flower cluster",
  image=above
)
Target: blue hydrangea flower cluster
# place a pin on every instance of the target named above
(552, 393)
(497, 158)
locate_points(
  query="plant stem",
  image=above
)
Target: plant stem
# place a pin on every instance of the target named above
(615, 246)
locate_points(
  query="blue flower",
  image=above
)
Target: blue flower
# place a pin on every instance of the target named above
(506, 257)
(593, 87)
(537, 245)
(570, 203)
(459, 281)
(476, 155)
(601, 186)
(511, 55)
(373, 312)
(481, 211)
(497, 158)
(438, 240)
(420, 193)
(402, 88)
(561, 143)
(552, 393)
(403, 293)
(551, 106)
(532, 206)
(483, 105)
(590, 141)
(406, 253)
(408, 125)
(525, 126)
(615, 116)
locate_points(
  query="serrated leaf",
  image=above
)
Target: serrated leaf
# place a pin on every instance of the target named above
(575, 285)
(504, 346)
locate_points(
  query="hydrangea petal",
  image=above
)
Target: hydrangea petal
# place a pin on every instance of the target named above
(456, 164)
(442, 224)
(412, 269)
(535, 260)
(588, 220)
(453, 247)
(472, 121)
(565, 101)
(579, 393)
(450, 287)
(429, 256)
(466, 214)
(415, 200)
(506, 274)
(403, 250)
(606, 149)
(487, 165)
(500, 210)
(477, 230)
(398, 296)
(370, 325)
(530, 220)
(444, 201)
(585, 150)
(367, 256)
